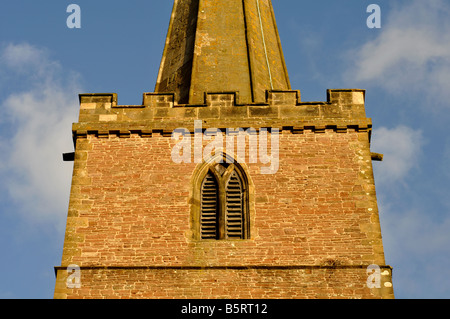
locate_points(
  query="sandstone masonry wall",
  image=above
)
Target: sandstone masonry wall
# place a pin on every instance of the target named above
(314, 224)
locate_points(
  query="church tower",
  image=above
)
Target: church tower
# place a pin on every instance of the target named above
(223, 183)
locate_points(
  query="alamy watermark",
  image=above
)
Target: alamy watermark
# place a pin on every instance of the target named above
(375, 274)
(257, 142)
(74, 19)
(74, 277)
(374, 19)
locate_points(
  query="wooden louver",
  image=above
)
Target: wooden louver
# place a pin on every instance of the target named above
(222, 207)
(234, 222)
(210, 194)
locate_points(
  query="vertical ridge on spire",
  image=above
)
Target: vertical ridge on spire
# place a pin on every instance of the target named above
(176, 63)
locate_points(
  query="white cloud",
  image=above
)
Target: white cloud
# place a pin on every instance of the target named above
(20, 57)
(36, 130)
(411, 53)
(416, 245)
(401, 147)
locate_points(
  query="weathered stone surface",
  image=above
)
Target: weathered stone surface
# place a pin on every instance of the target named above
(133, 210)
(228, 45)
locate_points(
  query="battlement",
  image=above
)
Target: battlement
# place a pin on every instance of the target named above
(340, 104)
(100, 114)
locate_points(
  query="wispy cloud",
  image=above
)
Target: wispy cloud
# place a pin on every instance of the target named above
(402, 150)
(37, 113)
(412, 52)
(416, 245)
(415, 234)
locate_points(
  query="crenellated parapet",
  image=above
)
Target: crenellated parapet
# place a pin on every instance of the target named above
(281, 107)
(100, 114)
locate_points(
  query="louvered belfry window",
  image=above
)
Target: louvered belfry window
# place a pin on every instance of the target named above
(223, 204)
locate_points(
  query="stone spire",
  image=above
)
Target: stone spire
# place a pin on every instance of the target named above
(222, 46)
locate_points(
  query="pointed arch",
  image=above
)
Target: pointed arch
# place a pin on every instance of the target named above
(220, 208)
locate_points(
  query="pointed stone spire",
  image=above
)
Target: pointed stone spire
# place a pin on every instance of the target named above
(222, 46)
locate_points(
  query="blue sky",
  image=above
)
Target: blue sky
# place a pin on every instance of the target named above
(404, 66)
